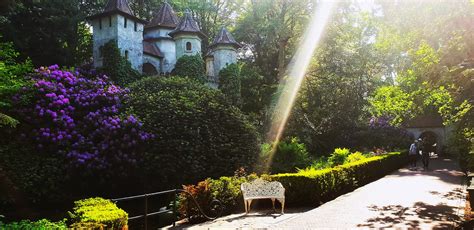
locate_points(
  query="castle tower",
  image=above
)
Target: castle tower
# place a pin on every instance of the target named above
(223, 51)
(187, 36)
(118, 23)
(157, 34)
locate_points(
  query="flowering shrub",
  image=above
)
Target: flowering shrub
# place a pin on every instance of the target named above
(77, 114)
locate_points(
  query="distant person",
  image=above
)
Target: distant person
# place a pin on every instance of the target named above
(413, 153)
(425, 152)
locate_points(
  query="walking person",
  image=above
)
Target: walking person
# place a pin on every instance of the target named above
(425, 153)
(413, 153)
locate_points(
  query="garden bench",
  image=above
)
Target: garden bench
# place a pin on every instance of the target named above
(261, 189)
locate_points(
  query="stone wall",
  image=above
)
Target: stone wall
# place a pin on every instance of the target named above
(182, 39)
(102, 36)
(131, 40)
(167, 47)
(223, 55)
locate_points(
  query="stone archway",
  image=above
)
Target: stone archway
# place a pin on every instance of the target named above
(149, 69)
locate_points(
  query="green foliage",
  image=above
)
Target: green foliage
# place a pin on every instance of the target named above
(288, 156)
(116, 66)
(12, 78)
(312, 187)
(224, 189)
(98, 212)
(42, 224)
(339, 156)
(191, 66)
(354, 157)
(198, 134)
(32, 178)
(230, 84)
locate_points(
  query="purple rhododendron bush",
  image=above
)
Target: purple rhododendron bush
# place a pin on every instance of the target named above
(78, 115)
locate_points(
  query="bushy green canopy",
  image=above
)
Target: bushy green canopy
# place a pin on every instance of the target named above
(198, 134)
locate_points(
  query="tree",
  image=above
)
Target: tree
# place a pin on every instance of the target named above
(198, 133)
(191, 66)
(12, 79)
(230, 84)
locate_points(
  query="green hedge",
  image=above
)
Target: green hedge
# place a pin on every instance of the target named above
(305, 188)
(43, 224)
(312, 187)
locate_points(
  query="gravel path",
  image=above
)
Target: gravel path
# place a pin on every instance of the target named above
(407, 198)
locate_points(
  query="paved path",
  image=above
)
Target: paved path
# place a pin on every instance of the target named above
(408, 198)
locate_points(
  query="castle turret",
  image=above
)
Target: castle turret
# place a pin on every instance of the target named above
(157, 33)
(223, 51)
(118, 23)
(187, 36)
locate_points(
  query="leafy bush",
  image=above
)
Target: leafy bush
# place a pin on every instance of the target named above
(339, 156)
(311, 187)
(117, 67)
(224, 189)
(77, 115)
(42, 224)
(12, 79)
(199, 134)
(288, 156)
(230, 85)
(97, 213)
(354, 157)
(191, 66)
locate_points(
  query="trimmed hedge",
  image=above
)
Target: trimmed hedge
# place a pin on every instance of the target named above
(313, 187)
(306, 188)
(42, 224)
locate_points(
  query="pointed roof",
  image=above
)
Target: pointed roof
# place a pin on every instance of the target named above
(187, 25)
(165, 17)
(224, 38)
(117, 7)
(151, 49)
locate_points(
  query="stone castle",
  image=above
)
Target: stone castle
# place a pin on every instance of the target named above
(154, 47)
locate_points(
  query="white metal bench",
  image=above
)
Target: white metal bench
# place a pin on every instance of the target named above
(261, 189)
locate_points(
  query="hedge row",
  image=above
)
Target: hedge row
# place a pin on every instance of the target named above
(313, 187)
(305, 188)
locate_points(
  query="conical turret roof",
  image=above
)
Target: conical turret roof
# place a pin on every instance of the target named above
(165, 17)
(187, 25)
(224, 38)
(117, 7)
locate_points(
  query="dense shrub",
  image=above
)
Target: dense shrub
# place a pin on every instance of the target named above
(354, 157)
(230, 84)
(96, 213)
(191, 66)
(339, 156)
(311, 187)
(116, 66)
(225, 189)
(288, 155)
(42, 224)
(198, 134)
(12, 79)
(308, 187)
(78, 115)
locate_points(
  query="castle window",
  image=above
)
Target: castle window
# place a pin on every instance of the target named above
(125, 23)
(135, 26)
(101, 54)
(126, 54)
(188, 46)
(110, 21)
(100, 23)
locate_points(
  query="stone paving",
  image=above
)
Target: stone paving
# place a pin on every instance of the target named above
(409, 198)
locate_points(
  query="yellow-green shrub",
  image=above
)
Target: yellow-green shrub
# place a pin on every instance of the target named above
(95, 213)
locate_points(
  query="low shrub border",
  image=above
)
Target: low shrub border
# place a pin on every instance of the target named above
(306, 188)
(313, 187)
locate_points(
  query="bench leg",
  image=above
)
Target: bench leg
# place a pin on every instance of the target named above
(250, 203)
(282, 201)
(245, 204)
(273, 203)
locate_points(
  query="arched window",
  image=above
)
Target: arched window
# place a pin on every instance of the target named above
(126, 54)
(188, 46)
